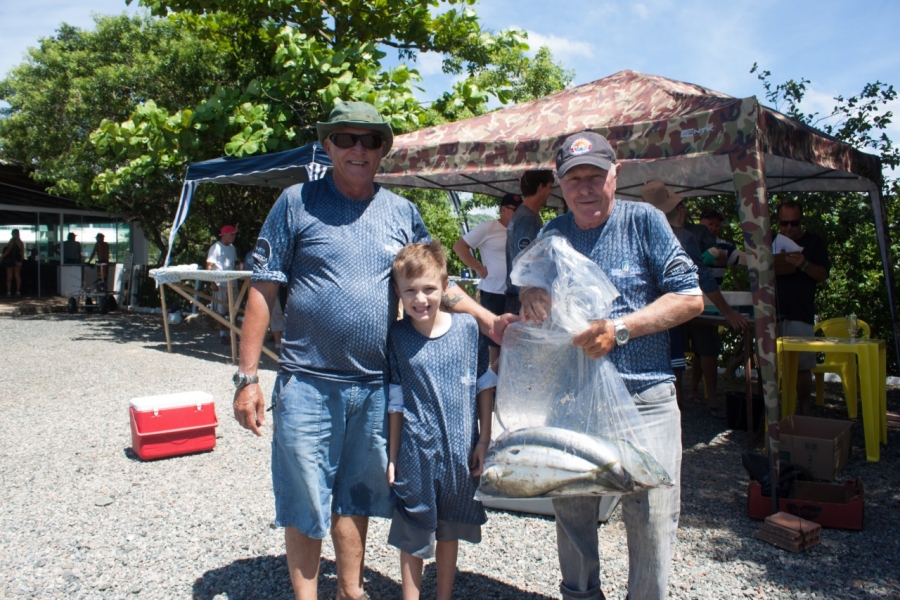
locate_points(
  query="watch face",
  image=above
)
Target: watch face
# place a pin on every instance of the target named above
(237, 379)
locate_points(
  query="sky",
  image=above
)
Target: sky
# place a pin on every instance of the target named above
(838, 45)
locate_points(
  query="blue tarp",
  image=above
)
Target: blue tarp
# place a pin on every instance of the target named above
(281, 170)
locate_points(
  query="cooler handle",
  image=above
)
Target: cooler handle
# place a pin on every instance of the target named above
(180, 430)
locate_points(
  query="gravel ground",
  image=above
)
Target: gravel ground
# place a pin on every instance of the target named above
(82, 517)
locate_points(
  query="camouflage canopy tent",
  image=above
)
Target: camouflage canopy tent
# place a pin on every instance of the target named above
(695, 140)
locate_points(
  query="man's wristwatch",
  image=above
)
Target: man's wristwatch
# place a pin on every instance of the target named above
(622, 333)
(804, 266)
(241, 380)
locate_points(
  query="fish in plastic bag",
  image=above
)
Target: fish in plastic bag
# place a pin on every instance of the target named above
(571, 426)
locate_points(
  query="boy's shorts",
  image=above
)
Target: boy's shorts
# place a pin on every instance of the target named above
(329, 452)
(702, 340)
(419, 542)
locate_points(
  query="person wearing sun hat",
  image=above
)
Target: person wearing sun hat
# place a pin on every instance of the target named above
(703, 340)
(657, 283)
(332, 242)
(361, 115)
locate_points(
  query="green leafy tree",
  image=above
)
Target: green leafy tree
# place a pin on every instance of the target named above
(77, 78)
(510, 76)
(307, 56)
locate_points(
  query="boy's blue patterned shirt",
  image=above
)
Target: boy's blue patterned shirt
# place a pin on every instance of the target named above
(440, 421)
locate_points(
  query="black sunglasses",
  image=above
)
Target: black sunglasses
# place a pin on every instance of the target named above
(794, 223)
(369, 141)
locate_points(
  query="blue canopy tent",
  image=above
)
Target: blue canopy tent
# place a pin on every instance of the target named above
(281, 170)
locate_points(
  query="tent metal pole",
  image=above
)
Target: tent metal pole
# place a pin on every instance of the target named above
(463, 222)
(884, 244)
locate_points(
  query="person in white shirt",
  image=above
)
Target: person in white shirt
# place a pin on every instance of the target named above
(489, 239)
(222, 256)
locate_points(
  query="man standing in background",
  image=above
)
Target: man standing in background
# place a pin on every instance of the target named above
(222, 257)
(524, 226)
(489, 239)
(796, 276)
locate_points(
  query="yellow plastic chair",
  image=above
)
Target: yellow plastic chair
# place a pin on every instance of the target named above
(842, 364)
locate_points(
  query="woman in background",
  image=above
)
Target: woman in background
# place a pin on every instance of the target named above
(12, 258)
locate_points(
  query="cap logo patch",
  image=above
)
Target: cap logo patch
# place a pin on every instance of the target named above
(580, 146)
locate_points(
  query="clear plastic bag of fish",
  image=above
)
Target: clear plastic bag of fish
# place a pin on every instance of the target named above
(570, 427)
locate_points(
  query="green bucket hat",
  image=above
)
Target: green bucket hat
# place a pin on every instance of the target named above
(356, 114)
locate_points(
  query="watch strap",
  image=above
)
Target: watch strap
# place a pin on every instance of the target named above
(619, 326)
(241, 380)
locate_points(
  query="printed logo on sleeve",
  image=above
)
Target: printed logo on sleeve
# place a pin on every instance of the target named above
(262, 252)
(523, 243)
(677, 267)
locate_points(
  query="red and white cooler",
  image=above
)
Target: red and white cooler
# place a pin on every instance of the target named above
(172, 424)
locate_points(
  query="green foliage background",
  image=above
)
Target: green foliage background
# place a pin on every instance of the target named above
(111, 117)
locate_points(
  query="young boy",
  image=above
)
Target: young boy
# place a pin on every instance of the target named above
(436, 448)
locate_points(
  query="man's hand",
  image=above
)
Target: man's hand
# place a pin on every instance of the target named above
(735, 319)
(250, 408)
(598, 339)
(482, 271)
(499, 325)
(535, 303)
(795, 259)
(476, 465)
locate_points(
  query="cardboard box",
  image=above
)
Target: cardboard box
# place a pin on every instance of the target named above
(790, 532)
(820, 445)
(172, 424)
(839, 506)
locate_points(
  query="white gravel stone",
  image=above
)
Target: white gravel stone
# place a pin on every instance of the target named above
(82, 517)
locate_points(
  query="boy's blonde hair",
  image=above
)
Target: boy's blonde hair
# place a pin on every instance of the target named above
(415, 260)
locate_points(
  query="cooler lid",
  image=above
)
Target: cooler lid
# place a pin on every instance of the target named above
(177, 400)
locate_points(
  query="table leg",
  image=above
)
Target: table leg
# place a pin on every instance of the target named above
(232, 317)
(882, 394)
(748, 388)
(789, 382)
(868, 372)
(165, 316)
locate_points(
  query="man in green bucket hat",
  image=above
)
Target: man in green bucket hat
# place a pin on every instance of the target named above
(331, 242)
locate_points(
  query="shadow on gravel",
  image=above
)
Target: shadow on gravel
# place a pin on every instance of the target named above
(475, 585)
(121, 328)
(267, 577)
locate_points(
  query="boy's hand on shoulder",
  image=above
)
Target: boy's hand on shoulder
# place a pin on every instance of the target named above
(476, 466)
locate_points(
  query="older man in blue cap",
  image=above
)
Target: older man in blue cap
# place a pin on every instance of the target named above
(332, 242)
(657, 282)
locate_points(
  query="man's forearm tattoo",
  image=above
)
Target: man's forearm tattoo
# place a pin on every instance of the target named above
(450, 299)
